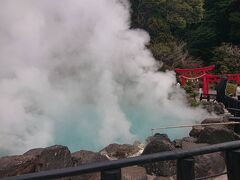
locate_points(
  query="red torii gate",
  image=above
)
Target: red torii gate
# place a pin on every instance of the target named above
(197, 73)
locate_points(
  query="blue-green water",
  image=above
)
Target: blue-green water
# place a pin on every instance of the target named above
(81, 132)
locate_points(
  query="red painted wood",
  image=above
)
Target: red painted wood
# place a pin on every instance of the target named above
(206, 78)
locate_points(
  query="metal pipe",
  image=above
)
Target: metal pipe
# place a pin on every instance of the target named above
(196, 125)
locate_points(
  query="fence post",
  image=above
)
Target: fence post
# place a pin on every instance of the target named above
(113, 174)
(185, 169)
(233, 164)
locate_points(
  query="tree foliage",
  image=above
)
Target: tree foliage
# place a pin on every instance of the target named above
(200, 27)
(174, 54)
(166, 20)
(227, 58)
(221, 23)
(163, 19)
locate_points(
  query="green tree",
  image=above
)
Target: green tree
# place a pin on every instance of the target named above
(174, 54)
(227, 58)
(166, 20)
(221, 23)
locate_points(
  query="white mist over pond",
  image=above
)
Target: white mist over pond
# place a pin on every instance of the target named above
(72, 72)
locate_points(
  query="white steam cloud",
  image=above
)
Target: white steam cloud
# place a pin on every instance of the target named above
(73, 72)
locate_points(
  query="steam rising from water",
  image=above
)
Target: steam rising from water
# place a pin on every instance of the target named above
(73, 73)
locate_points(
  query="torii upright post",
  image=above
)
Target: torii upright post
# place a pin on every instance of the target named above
(205, 85)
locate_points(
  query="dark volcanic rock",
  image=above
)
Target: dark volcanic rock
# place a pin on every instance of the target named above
(134, 173)
(34, 152)
(35, 160)
(163, 168)
(217, 134)
(195, 132)
(119, 151)
(207, 164)
(178, 142)
(190, 145)
(17, 165)
(214, 107)
(159, 137)
(215, 120)
(54, 157)
(85, 157)
(189, 139)
(223, 119)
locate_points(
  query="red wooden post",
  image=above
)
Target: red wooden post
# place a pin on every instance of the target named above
(205, 85)
(183, 82)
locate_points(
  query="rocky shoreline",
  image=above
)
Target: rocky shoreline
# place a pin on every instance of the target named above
(55, 157)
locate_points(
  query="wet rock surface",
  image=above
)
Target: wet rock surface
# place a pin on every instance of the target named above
(54, 157)
(85, 157)
(217, 134)
(119, 151)
(36, 160)
(160, 143)
(17, 165)
(207, 164)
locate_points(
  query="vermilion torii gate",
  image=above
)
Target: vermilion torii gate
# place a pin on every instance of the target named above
(197, 73)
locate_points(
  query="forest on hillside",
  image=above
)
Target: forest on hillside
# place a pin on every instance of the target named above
(191, 33)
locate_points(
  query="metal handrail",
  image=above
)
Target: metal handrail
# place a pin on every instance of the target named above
(116, 164)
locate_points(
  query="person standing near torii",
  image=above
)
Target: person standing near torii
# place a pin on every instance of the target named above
(238, 91)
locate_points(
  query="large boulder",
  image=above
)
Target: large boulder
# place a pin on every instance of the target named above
(120, 151)
(17, 165)
(36, 160)
(217, 134)
(207, 164)
(196, 130)
(86, 157)
(54, 157)
(162, 168)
